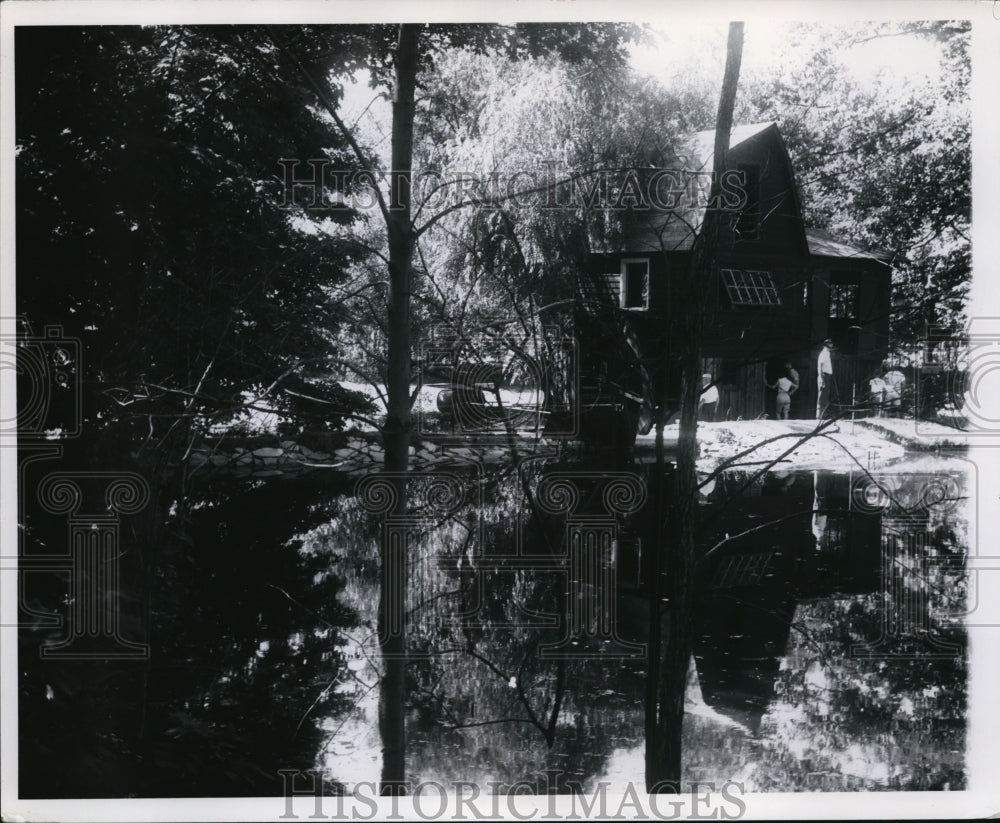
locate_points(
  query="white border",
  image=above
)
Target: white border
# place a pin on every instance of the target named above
(981, 800)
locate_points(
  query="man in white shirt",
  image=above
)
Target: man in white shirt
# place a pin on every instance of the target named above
(708, 402)
(824, 378)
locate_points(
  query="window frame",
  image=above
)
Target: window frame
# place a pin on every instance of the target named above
(623, 283)
(836, 287)
(747, 289)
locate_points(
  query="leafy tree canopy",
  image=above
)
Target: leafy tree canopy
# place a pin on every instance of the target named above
(151, 222)
(884, 162)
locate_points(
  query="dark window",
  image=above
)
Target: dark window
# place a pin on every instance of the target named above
(843, 301)
(747, 225)
(750, 288)
(635, 284)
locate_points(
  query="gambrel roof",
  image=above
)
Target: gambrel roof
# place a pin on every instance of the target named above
(761, 143)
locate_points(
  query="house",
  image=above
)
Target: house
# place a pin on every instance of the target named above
(778, 291)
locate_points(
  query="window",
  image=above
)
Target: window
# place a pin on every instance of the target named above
(747, 225)
(635, 284)
(750, 288)
(843, 301)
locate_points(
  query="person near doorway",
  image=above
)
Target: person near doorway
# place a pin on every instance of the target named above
(793, 375)
(824, 378)
(894, 381)
(783, 399)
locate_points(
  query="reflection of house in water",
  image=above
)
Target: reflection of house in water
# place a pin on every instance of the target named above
(784, 549)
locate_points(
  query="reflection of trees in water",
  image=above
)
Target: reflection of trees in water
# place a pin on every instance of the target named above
(253, 591)
(853, 722)
(777, 655)
(245, 648)
(485, 597)
(594, 719)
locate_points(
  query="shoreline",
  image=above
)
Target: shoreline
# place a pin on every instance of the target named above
(870, 443)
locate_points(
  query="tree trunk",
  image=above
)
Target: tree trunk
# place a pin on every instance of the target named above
(663, 752)
(396, 436)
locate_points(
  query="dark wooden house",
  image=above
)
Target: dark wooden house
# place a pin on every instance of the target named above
(779, 289)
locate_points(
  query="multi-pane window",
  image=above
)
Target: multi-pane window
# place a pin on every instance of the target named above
(635, 284)
(843, 300)
(750, 287)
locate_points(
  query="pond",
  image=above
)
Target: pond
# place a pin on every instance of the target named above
(829, 652)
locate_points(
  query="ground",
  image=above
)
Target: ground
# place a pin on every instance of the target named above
(869, 444)
(845, 444)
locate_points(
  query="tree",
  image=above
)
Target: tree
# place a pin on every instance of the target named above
(896, 175)
(506, 269)
(152, 226)
(194, 291)
(668, 661)
(397, 55)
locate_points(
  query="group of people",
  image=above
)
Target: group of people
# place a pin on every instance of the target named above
(885, 391)
(785, 387)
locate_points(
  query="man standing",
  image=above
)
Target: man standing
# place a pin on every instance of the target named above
(709, 400)
(824, 378)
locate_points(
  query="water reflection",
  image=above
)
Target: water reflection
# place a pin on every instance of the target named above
(245, 625)
(829, 653)
(829, 640)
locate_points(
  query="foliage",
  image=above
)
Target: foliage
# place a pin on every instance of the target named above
(152, 228)
(883, 163)
(480, 270)
(157, 236)
(538, 137)
(246, 637)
